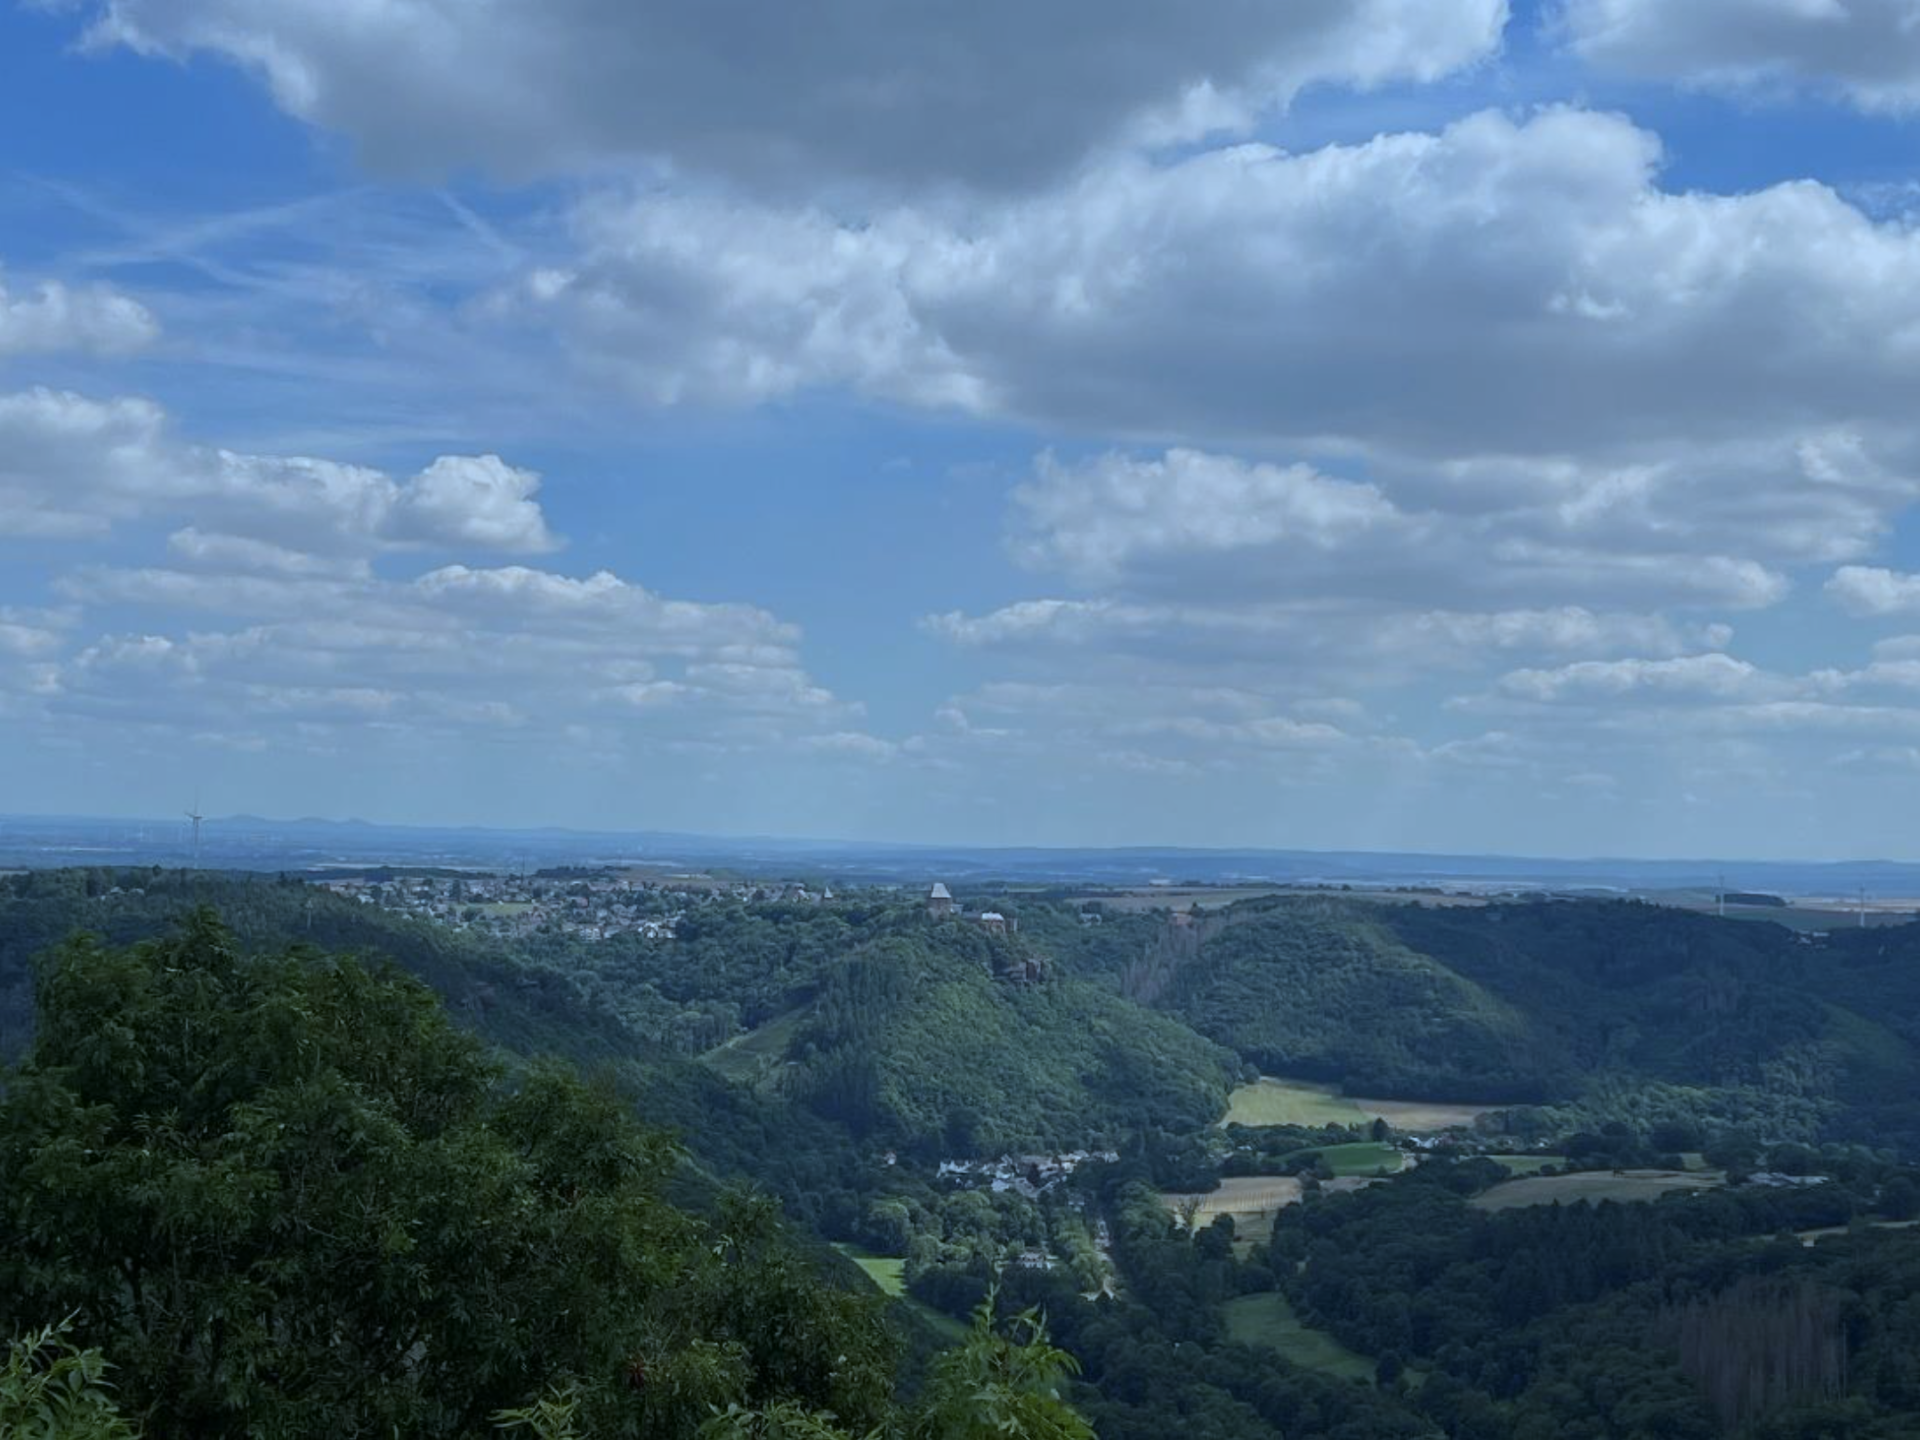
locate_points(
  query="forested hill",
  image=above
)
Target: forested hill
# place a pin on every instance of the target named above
(865, 1017)
(526, 1006)
(866, 1023)
(934, 1036)
(1554, 1003)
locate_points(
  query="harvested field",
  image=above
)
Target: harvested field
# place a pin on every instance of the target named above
(1273, 1100)
(1416, 1116)
(1595, 1185)
(1250, 1196)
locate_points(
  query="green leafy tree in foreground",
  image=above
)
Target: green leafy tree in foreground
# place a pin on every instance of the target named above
(990, 1387)
(287, 1197)
(51, 1391)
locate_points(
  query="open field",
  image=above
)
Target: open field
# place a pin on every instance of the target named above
(886, 1271)
(1271, 1100)
(1289, 1102)
(1595, 1185)
(1210, 897)
(751, 1058)
(1249, 1196)
(1269, 1321)
(1810, 1238)
(505, 907)
(1367, 1157)
(1180, 897)
(1419, 1115)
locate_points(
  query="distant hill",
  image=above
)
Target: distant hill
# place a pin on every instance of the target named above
(525, 1008)
(924, 1037)
(788, 1041)
(1550, 1003)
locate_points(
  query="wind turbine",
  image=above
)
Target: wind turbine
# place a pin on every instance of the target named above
(196, 817)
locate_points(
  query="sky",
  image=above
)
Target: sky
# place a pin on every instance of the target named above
(1394, 424)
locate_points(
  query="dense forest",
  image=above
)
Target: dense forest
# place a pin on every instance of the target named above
(825, 1056)
(284, 1195)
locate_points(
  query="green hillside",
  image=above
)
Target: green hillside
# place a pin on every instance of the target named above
(524, 1007)
(1607, 1010)
(1326, 991)
(920, 1039)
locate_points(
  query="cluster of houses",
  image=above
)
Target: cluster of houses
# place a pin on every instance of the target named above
(1028, 1176)
(590, 907)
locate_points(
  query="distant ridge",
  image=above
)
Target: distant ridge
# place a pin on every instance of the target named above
(252, 842)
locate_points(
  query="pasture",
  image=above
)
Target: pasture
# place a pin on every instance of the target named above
(1595, 1185)
(1269, 1321)
(1368, 1157)
(1271, 1100)
(886, 1271)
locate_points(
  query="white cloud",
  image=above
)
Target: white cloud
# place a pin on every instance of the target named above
(27, 633)
(1495, 279)
(1865, 50)
(1201, 526)
(1101, 520)
(453, 649)
(996, 92)
(1310, 638)
(54, 316)
(1874, 590)
(1709, 677)
(71, 466)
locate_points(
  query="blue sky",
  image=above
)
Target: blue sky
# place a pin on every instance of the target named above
(1396, 424)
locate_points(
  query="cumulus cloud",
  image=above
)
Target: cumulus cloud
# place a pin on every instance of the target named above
(993, 93)
(1875, 590)
(1867, 51)
(1706, 677)
(72, 466)
(1311, 638)
(455, 648)
(1494, 279)
(1103, 519)
(53, 316)
(1203, 526)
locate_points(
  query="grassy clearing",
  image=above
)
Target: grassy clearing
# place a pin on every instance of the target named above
(1826, 1232)
(1364, 1158)
(950, 1330)
(1595, 1185)
(886, 1271)
(1271, 1100)
(505, 907)
(1269, 1322)
(755, 1056)
(1290, 1102)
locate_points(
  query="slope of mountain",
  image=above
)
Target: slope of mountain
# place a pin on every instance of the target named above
(1556, 1002)
(930, 1035)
